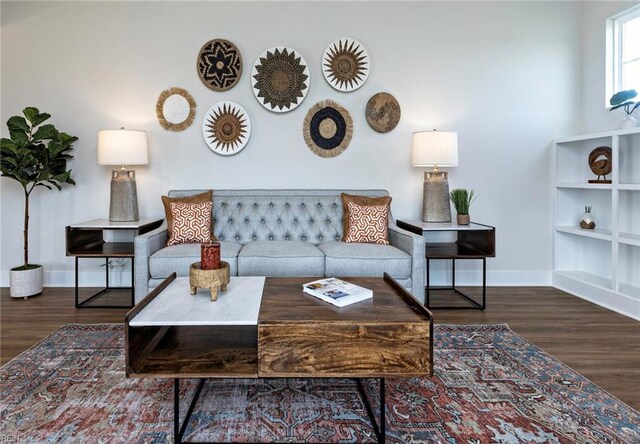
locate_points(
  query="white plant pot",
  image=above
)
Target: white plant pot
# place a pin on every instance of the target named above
(25, 283)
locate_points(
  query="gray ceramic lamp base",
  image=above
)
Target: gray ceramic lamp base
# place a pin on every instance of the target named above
(124, 196)
(435, 203)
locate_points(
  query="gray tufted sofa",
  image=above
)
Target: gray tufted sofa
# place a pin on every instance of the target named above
(283, 233)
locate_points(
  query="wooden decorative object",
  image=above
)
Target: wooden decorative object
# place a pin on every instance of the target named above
(226, 128)
(280, 79)
(383, 112)
(345, 64)
(327, 129)
(219, 64)
(175, 109)
(211, 279)
(600, 162)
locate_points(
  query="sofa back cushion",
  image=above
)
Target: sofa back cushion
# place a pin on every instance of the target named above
(244, 216)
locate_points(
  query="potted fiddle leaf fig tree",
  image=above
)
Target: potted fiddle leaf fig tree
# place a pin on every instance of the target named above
(34, 155)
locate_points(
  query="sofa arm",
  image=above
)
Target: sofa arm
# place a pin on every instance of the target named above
(412, 244)
(144, 246)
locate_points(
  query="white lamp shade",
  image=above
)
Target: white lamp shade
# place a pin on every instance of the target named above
(435, 148)
(122, 147)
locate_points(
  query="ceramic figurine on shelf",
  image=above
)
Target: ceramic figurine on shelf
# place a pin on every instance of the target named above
(587, 222)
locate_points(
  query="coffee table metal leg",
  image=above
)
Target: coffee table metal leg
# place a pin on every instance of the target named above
(178, 432)
(380, 431)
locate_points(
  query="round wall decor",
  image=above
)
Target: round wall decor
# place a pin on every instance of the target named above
(226, 128)
(280, 79)
(219, 64)
(345, 64)
(327, 129)
(383, 112)
(175, 109)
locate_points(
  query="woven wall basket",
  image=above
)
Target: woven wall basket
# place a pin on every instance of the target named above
(175, 109)
(327, 129)
(383, 112)
(219, 64)
(280, 79)
(226, 128)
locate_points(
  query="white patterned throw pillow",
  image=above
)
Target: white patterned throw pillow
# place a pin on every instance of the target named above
(368, 224)
(191, 223)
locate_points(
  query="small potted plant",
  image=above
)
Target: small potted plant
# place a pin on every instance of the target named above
(462, 200)
(623, 99)
(35, 155)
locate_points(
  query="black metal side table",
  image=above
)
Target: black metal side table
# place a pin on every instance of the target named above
(87, 240)
(473, 241)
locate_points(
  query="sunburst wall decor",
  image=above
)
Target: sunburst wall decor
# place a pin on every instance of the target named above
(345, 64)
(280, 79)
(226, 128)
(219, 64)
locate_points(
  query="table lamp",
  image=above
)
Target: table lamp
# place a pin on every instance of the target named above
(123, 147)
(435, 149)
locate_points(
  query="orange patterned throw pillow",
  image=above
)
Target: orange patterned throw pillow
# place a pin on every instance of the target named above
(368, 224)
(191, 223)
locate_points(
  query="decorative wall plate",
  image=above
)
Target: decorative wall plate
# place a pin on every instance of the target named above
(345, 64)
(327, 129)
(383, 112)
(226, 128)
(175, 109)
(219, 64)
(280, 79)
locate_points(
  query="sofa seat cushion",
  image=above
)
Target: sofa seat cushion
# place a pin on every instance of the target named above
(280, 258)
(179, 257)
(356, 259)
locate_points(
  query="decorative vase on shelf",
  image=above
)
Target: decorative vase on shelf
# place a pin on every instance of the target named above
(629, 122)
(587, 222)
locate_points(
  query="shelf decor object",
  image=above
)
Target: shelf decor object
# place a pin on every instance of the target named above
(383, 112)
(175, 109)
(598, 259)
(210, 279)
(327, 129)
(345, 64)
(123, 147)
(435, 149)
(601, 164)
(587, 222)
(219, 65)
(226, 128)
(280, 79)
(623, 99)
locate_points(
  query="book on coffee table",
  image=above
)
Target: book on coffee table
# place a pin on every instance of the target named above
(337, 292)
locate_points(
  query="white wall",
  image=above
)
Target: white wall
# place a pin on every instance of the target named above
(505, 75)
(595, 115)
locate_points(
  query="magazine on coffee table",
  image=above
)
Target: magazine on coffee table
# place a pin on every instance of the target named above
(337, 292)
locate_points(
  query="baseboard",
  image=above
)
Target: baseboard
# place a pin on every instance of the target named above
(438, 277)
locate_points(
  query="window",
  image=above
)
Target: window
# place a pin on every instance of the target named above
(623, 52)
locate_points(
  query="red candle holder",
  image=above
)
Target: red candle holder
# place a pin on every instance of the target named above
(210, 255)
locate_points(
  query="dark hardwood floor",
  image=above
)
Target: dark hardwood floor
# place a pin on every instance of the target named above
(600, 344)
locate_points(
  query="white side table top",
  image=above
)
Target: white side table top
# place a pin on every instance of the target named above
(176, 306)
(446, 226)
(108, 225)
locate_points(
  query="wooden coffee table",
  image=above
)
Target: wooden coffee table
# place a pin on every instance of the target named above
(269, 328)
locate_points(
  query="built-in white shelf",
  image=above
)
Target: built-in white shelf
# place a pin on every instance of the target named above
(596, 233)
(630, 239)
(589, 278)
(600, 265)
(629, 186)
(584, 185)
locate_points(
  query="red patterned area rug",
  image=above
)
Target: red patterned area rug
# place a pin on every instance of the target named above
(490, 386)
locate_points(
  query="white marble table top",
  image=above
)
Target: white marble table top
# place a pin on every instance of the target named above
(446, 226)
(175, 306)
(107, 224)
